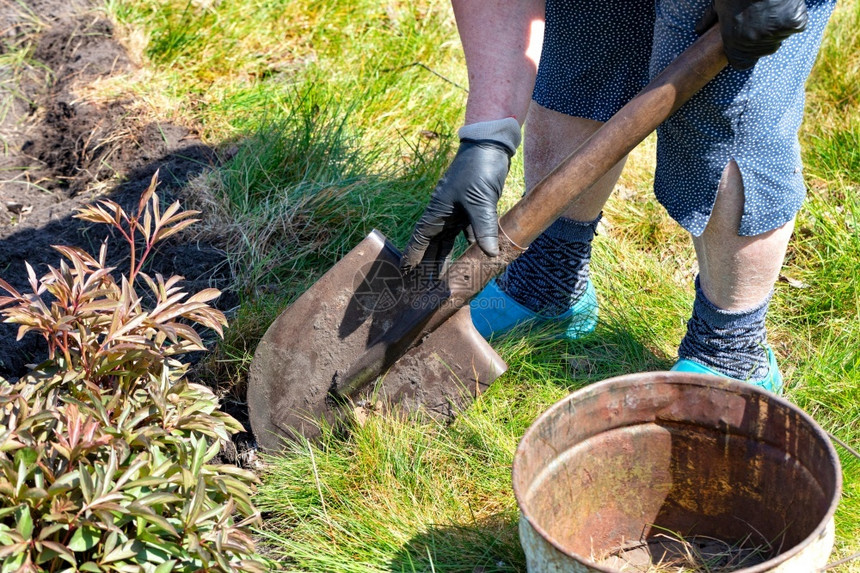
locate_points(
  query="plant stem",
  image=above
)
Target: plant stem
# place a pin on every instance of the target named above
(142, 259)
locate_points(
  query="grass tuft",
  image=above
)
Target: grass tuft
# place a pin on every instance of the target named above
(301, 191)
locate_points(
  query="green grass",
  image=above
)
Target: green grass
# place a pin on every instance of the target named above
(334, 131)
(832, 128)
(227, 64)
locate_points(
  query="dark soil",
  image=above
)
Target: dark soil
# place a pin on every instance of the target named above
(60, 151)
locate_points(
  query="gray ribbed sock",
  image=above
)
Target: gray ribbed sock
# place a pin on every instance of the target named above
(552, 274)
(730, 342)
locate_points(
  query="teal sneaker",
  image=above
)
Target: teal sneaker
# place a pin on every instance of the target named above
(494, 313)
(772, 382)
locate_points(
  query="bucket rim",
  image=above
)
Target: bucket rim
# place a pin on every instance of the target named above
(705, 380)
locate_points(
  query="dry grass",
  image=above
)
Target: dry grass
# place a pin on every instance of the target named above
(674, 553)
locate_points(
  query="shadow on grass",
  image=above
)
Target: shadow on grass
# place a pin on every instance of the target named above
(489, 546)
(613, 349)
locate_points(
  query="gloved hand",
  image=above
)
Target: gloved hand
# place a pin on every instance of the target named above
(753, 28)
(466, 197)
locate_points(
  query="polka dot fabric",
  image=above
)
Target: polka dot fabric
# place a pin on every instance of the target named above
(597, 55)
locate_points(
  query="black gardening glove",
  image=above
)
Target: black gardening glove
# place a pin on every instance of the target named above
(753, 28)
(465, 198)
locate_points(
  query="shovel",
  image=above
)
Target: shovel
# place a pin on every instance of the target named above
(324, 355)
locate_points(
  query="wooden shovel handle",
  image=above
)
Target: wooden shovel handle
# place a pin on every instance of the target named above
(681, 79)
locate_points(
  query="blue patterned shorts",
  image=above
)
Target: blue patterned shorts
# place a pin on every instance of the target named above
(597, 55)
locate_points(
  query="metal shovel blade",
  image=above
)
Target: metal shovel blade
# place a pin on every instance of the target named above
(293, 374)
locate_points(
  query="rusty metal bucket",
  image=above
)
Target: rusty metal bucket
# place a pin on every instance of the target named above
(635, 468)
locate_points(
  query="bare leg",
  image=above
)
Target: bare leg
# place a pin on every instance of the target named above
(726, 332)
(737, 273)
(550, 137)
(552, 276)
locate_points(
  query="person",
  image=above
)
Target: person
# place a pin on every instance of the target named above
(728, 162)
